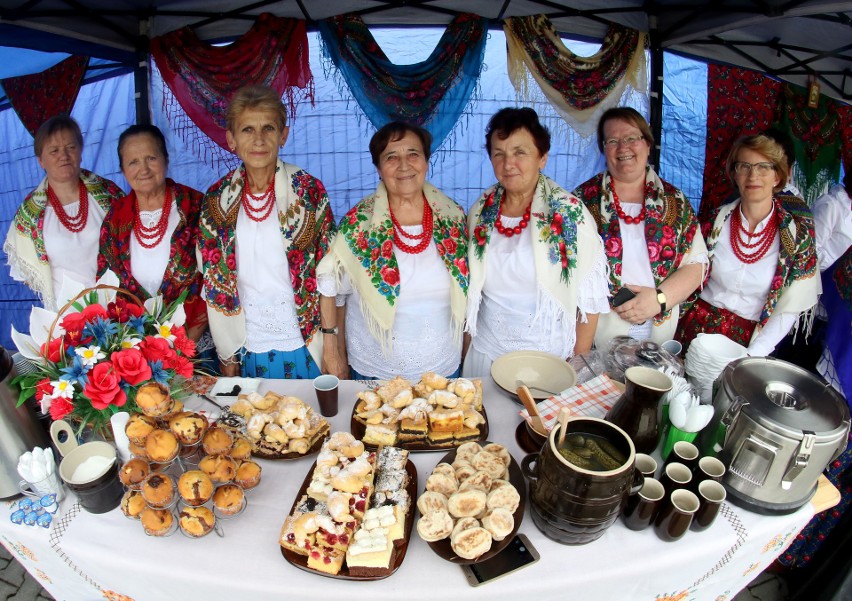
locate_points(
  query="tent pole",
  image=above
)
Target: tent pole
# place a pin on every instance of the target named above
(656, 96)
(140, 75)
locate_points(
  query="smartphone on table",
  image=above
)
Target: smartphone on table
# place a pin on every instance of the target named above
(518, 554)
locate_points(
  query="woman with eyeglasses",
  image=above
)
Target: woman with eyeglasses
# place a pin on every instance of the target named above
(763, 264)
(655, 250)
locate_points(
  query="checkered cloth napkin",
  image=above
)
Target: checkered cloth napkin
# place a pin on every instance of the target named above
(591, 399)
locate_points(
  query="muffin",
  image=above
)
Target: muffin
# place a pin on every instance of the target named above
(241, 451)
(157, 522)
(248, 474)
(217, 441)
(138, 427)
(132, 504)
(161, 446)
(134, 472)
(158, 490)
(196, 521)
(189, 427)
(228, 499)
(195, 487)
(219, 467)
(153, 399)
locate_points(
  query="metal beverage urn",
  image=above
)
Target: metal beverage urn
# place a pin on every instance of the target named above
(20, 430)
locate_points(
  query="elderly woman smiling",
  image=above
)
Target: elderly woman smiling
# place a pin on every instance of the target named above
(537, 267)
(399, 265)
(264, 228)
(56, 229)
(650, 232)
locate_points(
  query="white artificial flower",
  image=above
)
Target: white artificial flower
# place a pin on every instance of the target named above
(90, 355)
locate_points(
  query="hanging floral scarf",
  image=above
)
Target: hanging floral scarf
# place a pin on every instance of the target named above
(182, 267)
(432, 94)
(816, 137)
(307, 226)
(670, 228)
(795, 285)
(364, 250)
(203, 77)
(40, 96)
(25, 241)
(555, 216)
(579, 88)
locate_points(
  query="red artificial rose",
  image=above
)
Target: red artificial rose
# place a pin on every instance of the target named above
(60, 407)
(53, 350)
(157, 349)
(130, 365)
(185, 346)
(92, 312)
(73, 322)
(390, 275)
(182, 366)
(42, 388)
(103, 389)
(451, 246)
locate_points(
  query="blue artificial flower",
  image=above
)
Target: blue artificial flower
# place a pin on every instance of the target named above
(101, 329)
(76, 372)
(159, 374)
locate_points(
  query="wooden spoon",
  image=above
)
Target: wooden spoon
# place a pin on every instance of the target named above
(564, 415)
(532, 409)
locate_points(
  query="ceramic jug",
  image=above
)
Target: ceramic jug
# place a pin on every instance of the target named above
(635, 411)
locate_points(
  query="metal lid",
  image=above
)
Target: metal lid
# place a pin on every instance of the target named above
(780, 393)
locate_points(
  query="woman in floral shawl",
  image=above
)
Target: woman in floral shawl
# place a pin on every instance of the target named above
(264, 228)
(650, 233)
(399, 265)
(763, 263)
(148, 237)
(56, 230)
(537, 267)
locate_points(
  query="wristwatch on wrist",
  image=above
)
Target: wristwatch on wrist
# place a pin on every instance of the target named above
(332, 331)
(661, 298)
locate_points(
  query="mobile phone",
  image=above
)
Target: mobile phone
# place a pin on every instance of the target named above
(622, 296)
(518, 554)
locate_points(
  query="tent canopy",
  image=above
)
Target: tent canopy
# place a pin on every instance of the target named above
(789, 39)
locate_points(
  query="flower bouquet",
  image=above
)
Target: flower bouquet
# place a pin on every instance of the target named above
(93, 355)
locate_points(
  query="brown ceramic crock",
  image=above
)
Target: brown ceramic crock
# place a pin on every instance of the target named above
(574, 505)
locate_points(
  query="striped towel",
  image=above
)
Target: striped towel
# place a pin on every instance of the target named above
(590, 399)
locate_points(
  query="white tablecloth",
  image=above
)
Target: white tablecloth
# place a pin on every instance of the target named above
(85, 556)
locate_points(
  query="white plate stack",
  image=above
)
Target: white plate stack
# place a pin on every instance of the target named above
(707, 356)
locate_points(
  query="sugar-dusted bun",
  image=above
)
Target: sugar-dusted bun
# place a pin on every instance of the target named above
(228, 499)
(134, 472)
(138, 427)
(153, 399)
(161, 446)
(471, 543)
(189, 427)
(217, 441)
(248, 474)
(499, 522)
(196, 521)
(431, 501)
(157, 522)
(435, 526)
(468, 503)
(158, 490)
(195, 487)
(219, 467)
(506, 497)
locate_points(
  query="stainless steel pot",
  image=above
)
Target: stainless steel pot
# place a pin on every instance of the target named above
(776, 427)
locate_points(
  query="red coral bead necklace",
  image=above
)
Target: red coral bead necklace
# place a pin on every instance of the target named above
(151, 236)
(624, 216)
(78, 222)
(425, 237)
(258, 207)
(752, 252)
(512, 231)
